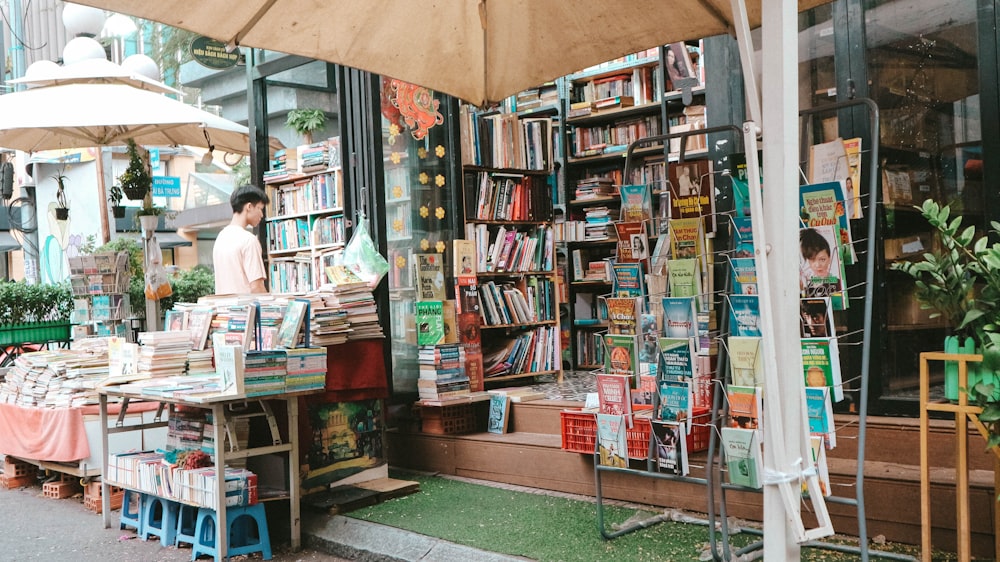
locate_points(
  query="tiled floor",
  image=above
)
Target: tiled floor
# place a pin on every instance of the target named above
(575, 386)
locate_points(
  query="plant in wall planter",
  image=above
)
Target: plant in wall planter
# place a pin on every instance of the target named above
(960, 283)
(115, 197)
(34, 313)
(137, 180)
(62, 209)
(305, 122)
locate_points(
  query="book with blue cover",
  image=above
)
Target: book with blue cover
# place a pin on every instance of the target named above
(612, 440)
(819, 409)
(744, 315)
(628, 280)
(677, 359)
(680, 317)
(675, 402)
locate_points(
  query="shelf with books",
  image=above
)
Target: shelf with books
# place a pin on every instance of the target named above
(612, 114)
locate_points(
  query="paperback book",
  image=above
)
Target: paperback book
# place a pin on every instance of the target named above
(823, 204)
(684, 277)
(612, 442)
(621, 354)
(675, 402)
(680, 317)
(744, 458)
(670, 447)
(677, 359)
(429, 274)
(686, 238)
(744, 315)
(628, 280)
(637, 203)
(499, 416)
(744, 276)
(430, 322)
(693, 193)
(632, 242)
(746, 362)
(745, 406)
(821, 269)
(613, 393)
(819, 408)
(816, 317)
(623, 315)
(817, 451)
(821, 365)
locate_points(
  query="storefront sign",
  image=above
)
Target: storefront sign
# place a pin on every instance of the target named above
(212, 54)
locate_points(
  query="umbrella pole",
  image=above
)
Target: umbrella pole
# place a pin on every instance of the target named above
(102, 195)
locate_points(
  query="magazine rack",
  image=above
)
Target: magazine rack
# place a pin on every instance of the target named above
(713, 473)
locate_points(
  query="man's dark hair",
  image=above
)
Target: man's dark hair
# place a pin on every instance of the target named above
(247, 194)
(812, 242)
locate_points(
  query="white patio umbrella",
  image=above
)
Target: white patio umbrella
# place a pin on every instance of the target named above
(84, 115)
(89, 71)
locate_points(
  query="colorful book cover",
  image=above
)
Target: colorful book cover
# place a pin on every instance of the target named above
(820, 268)
(744, 315)
(613, 393)
(292, 322)
(743, 237)
(637, 203)
(822, 204)
(852, 183)
(744, 276)
(632, 242)
(745, 406)
(744, 458)
(675, 402)
(498, 420)
(464, 258)
(628, 280)
(449, 317)
(677, 358)
(649, 332)
(621, 354)
(623, 315)
(680, 317)
(685, 238)
(816, 317)
(429, 275)
(817, 451)
(670, 447)
(819, 409)
(199, 324)
(821, 365)
(693, 192)
(684, 277)
(746, 360)
(612, 442)
(430, 322)
(644, 397)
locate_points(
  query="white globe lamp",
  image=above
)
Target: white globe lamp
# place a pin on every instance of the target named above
(82, 48)
(82, 20)
(142, 65)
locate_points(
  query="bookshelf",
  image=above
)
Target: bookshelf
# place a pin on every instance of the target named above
(305, 228)
(100, 294)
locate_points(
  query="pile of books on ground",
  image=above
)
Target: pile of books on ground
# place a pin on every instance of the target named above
(442, 371)
(346, 291)
(163, 353)
(594, 188)
(54, 379)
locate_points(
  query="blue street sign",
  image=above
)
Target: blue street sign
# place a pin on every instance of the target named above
(166, 186)
(154, 158)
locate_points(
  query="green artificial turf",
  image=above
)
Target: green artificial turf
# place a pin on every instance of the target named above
(548, 528)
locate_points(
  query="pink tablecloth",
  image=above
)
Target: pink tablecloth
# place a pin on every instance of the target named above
(44, 434)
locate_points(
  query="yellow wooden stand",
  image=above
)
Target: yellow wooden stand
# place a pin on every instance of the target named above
(964, 412)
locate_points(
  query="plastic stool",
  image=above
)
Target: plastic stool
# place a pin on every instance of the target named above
(242, 539)
(187, 517)
(159, 517)
(131, 513)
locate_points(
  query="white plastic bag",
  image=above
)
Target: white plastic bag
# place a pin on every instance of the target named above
(157, 280)
(362, 257)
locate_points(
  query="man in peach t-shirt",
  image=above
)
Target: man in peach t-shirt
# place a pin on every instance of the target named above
(237, 256)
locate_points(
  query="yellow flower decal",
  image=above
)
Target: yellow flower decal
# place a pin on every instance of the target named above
(424, 244)
(439, 150)
(393, 133)
(439, 213)
(400, 262)
(439, 180)
(424, 211)
(397, 225)
(422, 153)
(440, 246)
(395, 157)
(423, 178)
(397, 192)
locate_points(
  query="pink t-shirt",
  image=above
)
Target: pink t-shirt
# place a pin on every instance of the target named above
(238, 261)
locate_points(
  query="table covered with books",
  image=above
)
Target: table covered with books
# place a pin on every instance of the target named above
(222, 407)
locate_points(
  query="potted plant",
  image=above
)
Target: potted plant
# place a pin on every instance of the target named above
(137, 180)
(305, 122)
(62, 209)
(115, 196)
(149, 214)
(34, 313)
(960, 283)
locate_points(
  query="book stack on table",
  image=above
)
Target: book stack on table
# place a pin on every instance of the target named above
(442, 371)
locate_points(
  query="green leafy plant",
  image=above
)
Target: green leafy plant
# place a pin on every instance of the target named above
(137, 180)
(306, 121)
(982, 395)
(21, 303)
(189, 285)
(960, 282)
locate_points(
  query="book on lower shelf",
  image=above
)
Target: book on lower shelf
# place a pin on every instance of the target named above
(744, 458)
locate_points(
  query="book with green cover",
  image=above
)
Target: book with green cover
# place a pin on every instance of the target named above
(430, 322)
(744, 459)
(677, 358)
(499, 416)
(621, 354)
(291, 324)
(821, 365)
(684, 277)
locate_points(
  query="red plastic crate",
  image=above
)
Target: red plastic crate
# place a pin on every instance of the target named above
(579, 432)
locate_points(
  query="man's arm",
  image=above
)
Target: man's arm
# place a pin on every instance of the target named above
(257, 286)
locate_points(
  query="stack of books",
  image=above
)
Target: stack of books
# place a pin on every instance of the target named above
(442, 372)
(264, 372)
(163, 354)
(283, 166)
(235, 322)
(313, 157)
(54, 379)
(598, 223)
(306, 369)
(594, 188)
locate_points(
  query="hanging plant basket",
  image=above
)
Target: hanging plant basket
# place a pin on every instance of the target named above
(118, 211)
(135, 193)
(62, 213)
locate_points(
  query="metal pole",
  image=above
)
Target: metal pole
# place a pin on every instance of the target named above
(779, 301)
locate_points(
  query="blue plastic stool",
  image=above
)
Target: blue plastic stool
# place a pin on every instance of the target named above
(242, 537)
(159, 517)
(131, 513)
(187, 517)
